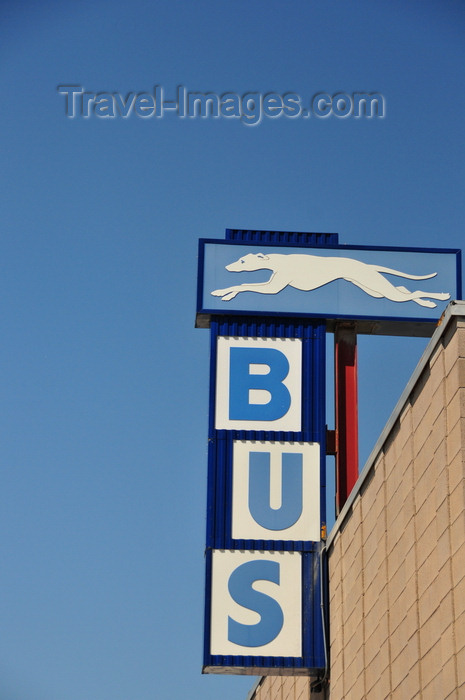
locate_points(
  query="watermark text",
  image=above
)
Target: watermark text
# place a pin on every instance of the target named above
(250, 108)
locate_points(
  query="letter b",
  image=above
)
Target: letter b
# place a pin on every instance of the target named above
(242, 381)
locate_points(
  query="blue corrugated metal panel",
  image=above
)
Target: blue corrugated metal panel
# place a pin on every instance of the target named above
(211, 492)
(312, 239)
(313, 637)
(214, 331)
(207, 603)
(314, 398)
(256, 665)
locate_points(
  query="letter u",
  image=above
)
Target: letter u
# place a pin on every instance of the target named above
(291, 490)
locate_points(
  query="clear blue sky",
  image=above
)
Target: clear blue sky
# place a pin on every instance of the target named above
(103, 418)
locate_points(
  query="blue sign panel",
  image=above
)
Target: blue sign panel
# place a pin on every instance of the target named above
(337, 282)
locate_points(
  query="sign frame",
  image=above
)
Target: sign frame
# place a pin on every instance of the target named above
(368, 323)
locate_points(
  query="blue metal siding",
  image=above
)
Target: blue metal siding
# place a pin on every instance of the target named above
(282, 237)
(313, 637)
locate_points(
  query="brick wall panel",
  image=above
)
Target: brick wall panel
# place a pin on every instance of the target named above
(402, 663)
(449, 684)
(289, 689)
(411, 560)
(455, 378)
(461, 667)
(427, 545)
(458, 566)
(429, 631)
(436, 369)
(454, 346)
(420, 402)
(381, 687)
(455, 441)
(457, 496)
(438, 403)
(455, 410)
(442, 516)
(357, 690)
(301, 688)
(411, 684)
(376, 613)
(434, 689)
(430, 666)
(459, 597)
(457, 533)
(408, 506)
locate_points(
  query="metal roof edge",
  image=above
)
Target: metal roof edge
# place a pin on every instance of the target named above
(455, 308)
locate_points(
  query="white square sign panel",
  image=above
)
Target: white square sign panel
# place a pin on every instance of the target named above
(256, 606)
(276, 490)
(259, 384)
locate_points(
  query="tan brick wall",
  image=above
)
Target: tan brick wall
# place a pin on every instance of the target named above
(397, 563)
(284, 688)
(397, 552)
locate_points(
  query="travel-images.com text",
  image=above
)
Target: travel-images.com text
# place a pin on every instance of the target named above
(250, 108)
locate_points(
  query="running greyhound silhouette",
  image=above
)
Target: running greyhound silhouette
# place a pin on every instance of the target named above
(307, 272)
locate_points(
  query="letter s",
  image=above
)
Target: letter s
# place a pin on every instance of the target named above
(292, 106)
(240, 589)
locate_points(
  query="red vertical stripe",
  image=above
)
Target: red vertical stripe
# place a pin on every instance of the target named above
(346, 412)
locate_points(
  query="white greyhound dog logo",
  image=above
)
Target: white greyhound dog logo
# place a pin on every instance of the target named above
(307, 272)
